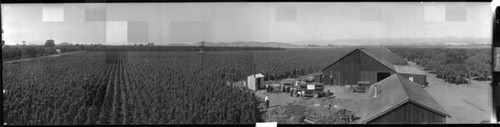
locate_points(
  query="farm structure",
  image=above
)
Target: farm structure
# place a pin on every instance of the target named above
(370, 64)
(255, 81)
(399, 100)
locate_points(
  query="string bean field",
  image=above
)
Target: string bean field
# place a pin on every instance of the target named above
(149, 87)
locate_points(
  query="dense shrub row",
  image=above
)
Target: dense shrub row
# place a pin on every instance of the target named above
(454, 65)
(30, 51)
(21, 52)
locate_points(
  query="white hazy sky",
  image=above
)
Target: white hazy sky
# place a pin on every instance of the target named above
(164, 23)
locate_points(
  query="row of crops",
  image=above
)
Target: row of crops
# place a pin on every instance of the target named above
(124, 88)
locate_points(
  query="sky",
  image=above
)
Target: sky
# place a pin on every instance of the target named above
(166, 23)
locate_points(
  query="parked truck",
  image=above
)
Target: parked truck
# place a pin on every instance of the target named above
(361, 87)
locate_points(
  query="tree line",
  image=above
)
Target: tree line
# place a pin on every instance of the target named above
(49, 48)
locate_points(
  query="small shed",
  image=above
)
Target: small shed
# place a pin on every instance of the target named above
(255, 81)
(58, 51)
(413, 74)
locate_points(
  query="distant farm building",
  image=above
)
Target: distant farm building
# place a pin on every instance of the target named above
(255, 81)
(370, 64)
(58, 51)
(399, 100)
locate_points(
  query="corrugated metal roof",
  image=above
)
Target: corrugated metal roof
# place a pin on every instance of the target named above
(408, 70)
(259, 75)
(393, 92)
(384, 56)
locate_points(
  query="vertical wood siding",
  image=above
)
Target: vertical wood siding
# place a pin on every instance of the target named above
(353, 68)
(409, 113)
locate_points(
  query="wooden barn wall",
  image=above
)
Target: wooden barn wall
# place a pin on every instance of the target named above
(420, 79)
(409, 113)
(353, 68)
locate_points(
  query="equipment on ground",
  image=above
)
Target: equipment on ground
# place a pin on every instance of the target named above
(311, 119)
(275, 87)
(286, 86)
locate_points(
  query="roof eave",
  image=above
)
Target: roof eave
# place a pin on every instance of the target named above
(339, 59)
(444, 113)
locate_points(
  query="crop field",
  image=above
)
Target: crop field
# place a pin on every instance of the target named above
(140, 87)
(148, 87)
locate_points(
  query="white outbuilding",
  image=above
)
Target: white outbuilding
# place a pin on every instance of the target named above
(255, 81)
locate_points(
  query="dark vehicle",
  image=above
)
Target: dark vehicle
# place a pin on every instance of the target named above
(315, 90)
(361, 87)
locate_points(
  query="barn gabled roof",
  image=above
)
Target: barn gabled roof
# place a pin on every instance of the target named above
(381, 55)
(393, 92)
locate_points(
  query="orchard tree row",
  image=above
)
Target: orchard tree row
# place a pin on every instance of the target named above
(454, 65)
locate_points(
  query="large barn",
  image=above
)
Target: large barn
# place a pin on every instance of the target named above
(370, 64)
(399, 100)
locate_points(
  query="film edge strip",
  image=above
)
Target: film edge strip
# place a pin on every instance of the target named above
(495, 84)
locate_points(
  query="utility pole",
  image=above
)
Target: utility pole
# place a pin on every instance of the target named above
(201, 56)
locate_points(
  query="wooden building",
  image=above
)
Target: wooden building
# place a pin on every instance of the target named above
(370, 64)
(255, 81)
(397, 100)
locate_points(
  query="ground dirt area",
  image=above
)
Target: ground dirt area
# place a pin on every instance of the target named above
(466, 103)
(285, 109)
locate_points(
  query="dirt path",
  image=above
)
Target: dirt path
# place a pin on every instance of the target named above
(467, 103)
(285, 109)
(28, 59)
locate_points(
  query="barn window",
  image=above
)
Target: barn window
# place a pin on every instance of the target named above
(411, 78)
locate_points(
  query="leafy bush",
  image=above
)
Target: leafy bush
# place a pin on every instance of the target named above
(20, 52)
(50, 43)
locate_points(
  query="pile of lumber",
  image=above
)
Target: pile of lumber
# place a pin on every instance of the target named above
(311, 119)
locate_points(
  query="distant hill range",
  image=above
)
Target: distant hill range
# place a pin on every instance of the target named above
(351, 42)
(401, 41)
(240, 44)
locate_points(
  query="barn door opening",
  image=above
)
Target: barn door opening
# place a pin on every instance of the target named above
(337, 78)
(257, 84)
(382, 75)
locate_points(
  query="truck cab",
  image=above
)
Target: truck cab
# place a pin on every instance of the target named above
(315, 90)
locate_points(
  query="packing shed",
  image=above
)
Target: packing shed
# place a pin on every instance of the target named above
(370, 64)
(397, 100)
